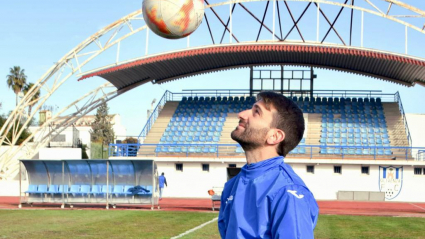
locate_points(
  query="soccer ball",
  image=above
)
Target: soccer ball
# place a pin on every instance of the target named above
(173, 19)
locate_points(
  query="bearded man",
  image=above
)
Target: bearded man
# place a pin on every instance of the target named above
(267, 199)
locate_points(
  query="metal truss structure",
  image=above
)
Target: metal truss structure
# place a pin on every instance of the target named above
(75, 63)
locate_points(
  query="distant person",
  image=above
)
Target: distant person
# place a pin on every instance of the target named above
(267, 199)
(162, 181)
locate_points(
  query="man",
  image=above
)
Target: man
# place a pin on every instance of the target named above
(267, 199)
(162, 180)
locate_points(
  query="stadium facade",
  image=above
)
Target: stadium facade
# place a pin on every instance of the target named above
(358, 145)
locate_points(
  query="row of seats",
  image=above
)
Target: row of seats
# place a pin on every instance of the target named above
(373, 125)
(356, 141)
(197, 123)
(339, 106)
(194, 128)
(188, 139)
(355, 135)
(186, 149)
(345, 151)
(342, 107)
(370, 100)
(190, 133)
(356, 151)
(218, 99)
(84, 189)
(357, 130)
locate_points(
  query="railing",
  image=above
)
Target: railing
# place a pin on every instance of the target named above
(317, 93)
(304, 151)
(154, 115)
(420, 155)
(406, 126)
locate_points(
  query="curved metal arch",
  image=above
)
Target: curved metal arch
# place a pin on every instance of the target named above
(379, 14)
(53, 75)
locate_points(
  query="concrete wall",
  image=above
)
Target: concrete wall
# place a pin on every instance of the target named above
(417, 132)
(192, 182)
(324, 183)
(416, 123)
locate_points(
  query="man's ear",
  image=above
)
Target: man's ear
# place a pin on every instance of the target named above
(276, 137)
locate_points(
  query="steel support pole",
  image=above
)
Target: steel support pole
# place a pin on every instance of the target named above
(311, 82)
(20, 185)
(274, 18)
(153, 184)
(107, 183)
(317, 24)
(251, 82)
(281, 79)
(231, 23)
(63, 184)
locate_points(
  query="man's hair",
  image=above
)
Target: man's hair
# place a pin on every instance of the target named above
(289, 118)
(162, 173)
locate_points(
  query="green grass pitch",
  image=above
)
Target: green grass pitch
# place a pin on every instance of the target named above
(166, 224)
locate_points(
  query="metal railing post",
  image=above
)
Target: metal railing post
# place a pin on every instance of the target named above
(311, 152)
(374, 153)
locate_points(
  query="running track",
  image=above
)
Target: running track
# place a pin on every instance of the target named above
(404, 209)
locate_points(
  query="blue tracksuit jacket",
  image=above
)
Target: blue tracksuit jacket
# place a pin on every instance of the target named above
(267, 200)
(162, 180)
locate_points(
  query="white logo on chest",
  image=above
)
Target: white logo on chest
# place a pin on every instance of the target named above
(229, 198)
(293, 192)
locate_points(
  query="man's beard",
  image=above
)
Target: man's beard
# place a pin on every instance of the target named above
(250, 138)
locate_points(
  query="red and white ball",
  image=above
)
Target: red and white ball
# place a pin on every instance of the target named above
(173, 19)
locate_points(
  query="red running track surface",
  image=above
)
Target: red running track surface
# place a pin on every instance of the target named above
(402, 209)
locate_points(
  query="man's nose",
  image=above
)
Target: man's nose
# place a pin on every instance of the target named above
(243, 114)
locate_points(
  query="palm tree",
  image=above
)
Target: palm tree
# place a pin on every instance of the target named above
(16, 80)
(34, 98)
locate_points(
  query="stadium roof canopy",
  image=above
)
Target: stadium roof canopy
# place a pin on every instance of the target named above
(160, 68)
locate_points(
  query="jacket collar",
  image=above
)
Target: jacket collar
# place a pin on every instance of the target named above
(251, 171)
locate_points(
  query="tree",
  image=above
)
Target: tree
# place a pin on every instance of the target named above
(16, 80)
(34, 98)
(25, 134)
(102, 131)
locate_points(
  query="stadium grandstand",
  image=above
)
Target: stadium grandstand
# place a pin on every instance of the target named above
(350, 126)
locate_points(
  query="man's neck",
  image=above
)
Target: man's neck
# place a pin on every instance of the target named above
(258, 155)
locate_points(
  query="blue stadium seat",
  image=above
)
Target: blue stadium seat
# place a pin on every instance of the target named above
(63, 188)
(74, 189)
(53, 189)
(32, 189)
(106, 189)
(95, 190)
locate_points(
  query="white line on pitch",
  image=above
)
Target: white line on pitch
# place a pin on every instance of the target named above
(417, 206)
(195, 228)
